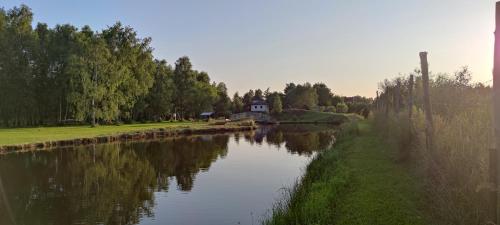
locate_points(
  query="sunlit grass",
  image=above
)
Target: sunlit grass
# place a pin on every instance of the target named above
(10, 136)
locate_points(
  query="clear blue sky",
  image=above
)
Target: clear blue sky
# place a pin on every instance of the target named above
(349, 45)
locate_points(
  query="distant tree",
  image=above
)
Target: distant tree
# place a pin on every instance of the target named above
(342, 108)
(273, 99)
(223, 104)
(94, 78)
(184, 79)
(463, 76)
(276, 107)
(259, 95)
(324, 93)
(247, 99)
(159, 102)
(336, 100)
(237, 103)
(200, 98)
(203, 77)
(302, 97)
(134, 62)
(289, 87)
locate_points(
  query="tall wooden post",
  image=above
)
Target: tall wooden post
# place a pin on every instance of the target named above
(397, 97)
(494, 154)
(386, 101)
(410, 98)
(429, 125)
(405, 154)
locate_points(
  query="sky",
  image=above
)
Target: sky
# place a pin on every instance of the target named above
(350, 45)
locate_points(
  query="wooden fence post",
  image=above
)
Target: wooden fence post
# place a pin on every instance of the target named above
(410, 98)
(386, 100)
(494, 154)
(397, 97)
(410, 113)
(429, 125)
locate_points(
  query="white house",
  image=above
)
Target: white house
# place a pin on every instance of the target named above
(259, 106)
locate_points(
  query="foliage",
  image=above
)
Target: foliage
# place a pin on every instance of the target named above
(325, 96)
(48, 76)
(237, 103)
(223, 104)
(275, 102)
(277, 106)
(462, 136)
(300, 96)
(342, 108)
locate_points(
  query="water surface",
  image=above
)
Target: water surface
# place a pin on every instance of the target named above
(209, 179)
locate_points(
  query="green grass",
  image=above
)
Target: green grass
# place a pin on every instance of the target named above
(357, 183)
(307, 116)
(13, 136)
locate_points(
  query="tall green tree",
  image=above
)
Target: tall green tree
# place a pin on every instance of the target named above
(137, 67)
(158, 104)
(184, 79)
(222, 106)
(259, 95)
(237, 103)
(94, 80)
(324, 94)
(17, 44)
(301, 96)
(247, 99)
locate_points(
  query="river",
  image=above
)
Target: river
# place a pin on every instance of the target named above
(193, 180)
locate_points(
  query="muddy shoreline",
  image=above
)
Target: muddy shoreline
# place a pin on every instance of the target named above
(123, 137)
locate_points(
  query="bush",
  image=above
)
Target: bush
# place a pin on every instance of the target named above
(342, 108)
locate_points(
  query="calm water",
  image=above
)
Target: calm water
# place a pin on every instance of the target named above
(213, 179)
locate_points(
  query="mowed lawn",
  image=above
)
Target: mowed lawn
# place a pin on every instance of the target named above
(12, 136)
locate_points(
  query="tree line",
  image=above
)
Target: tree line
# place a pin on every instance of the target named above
(49, 75)
(67, 74)
(318, 97)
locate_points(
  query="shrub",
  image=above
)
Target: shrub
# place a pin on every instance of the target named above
(342, 108)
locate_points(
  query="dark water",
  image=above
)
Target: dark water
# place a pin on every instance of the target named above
(213, 179)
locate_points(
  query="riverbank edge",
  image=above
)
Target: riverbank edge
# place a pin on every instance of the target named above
(336, 186)
(150, 134)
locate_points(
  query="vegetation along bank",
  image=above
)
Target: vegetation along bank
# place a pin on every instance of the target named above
(356, 182)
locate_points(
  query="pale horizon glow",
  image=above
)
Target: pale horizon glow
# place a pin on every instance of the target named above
(349, 45)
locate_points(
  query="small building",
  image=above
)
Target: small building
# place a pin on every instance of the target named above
(206, 115)
(259, 106)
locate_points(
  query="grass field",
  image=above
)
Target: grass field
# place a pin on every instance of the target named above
(307, 116)
(11, 136)
(355, 183)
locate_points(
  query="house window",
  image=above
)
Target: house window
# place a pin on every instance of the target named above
(261, 107)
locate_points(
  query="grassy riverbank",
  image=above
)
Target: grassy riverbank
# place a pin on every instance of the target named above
(357, 182)
(14, 136)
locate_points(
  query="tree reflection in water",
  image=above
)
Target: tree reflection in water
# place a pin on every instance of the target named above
(115, 183)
